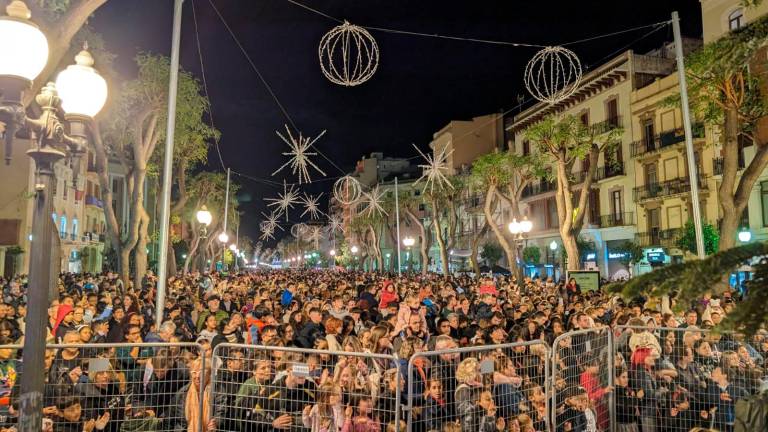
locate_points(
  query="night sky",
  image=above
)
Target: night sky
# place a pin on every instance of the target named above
(421, 83)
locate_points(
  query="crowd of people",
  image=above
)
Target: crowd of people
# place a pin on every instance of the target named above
(333, 351)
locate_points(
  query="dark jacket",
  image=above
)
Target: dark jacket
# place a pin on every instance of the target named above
(306, 337)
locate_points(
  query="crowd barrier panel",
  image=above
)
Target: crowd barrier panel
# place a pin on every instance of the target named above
(689, 377)
(118, 387)
(257, 387)
(476, 386)
(582, 377)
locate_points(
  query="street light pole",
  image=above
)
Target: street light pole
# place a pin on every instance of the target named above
(693, 175)
(397, 218)
(165, 209)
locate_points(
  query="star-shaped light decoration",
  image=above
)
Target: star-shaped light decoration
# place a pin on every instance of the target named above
(267, 232)
(315, 234)
(311, 206)
(271, 221)
(335, 223)
(435, 169)
(374, 202)
(299, 155)
(285, 200)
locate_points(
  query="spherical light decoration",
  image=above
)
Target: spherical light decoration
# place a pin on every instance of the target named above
(348, 54)
(354, 249)
(223, 237)
(332, 252)
(347, 190)
(553, 74)
(82, 90)
(24, 52)
(553, 245)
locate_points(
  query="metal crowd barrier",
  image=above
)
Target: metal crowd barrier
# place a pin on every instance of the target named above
(479, 388)
(582, 373)
(258, 388)
(677, 379)
(109, 387)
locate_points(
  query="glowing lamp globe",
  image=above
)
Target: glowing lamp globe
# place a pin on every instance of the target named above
(204, 216)
(82, 90)
(514, 227)
(409, 241)
(332, 252)
(353, 249)
(553, 245)
(745, 236)
(24, 52)
(223, 237)
(232, 247)
(526, 226)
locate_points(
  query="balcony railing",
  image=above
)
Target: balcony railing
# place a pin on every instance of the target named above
(607, 125)
(538, 188)
(615, 220)
(717, 165)
(659, 237)
(667, 188)
(609, 171)
(664, 139)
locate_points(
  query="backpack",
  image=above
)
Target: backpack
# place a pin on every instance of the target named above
(752, 414)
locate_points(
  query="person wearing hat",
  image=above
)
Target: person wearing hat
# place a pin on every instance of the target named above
(213, 309)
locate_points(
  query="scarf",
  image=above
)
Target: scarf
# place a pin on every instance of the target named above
(192, 408)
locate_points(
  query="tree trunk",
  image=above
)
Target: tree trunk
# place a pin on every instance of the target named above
(423, 242)
(125, 265)
(440, 239)
(140, 251)
(172, 268)
(488, 209)
(475, 246)
(733, 194)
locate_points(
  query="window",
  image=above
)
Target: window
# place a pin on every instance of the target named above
(616, 204)
(764, 201)
(63, 226)
(651, 176)
(649, 135)
(612, 112)
(74, 227)
(54, 218)
(526, 148)
(552, 220)
(584, 117)
(736, 19)
(65, 190)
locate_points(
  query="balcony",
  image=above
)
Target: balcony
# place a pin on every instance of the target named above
(538, 188)
(659, 237)
(92, 200)
(93, 237)
(667, 188)
(607, 125)
(717, 165)
(649, 145)
(605, 172)
(616, 220)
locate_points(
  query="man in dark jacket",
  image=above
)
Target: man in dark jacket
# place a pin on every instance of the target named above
(311, 331)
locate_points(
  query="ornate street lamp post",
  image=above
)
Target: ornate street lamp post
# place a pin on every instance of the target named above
(408, 242)
(520, 232)
(81, 94)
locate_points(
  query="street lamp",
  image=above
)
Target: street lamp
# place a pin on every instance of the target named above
(223, 237)
(332, 252)
(353, 249)
(233, 247)
(80, 96)
(409, 241)
(520, 231)
(553, 246)
(745, 235)
(204, 218)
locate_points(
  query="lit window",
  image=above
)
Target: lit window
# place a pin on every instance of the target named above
(736, 19)
(63, 228)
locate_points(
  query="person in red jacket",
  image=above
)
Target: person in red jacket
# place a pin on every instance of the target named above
(590, 380)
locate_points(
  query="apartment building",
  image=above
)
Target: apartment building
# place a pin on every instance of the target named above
(602, 101)
(720, 17)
